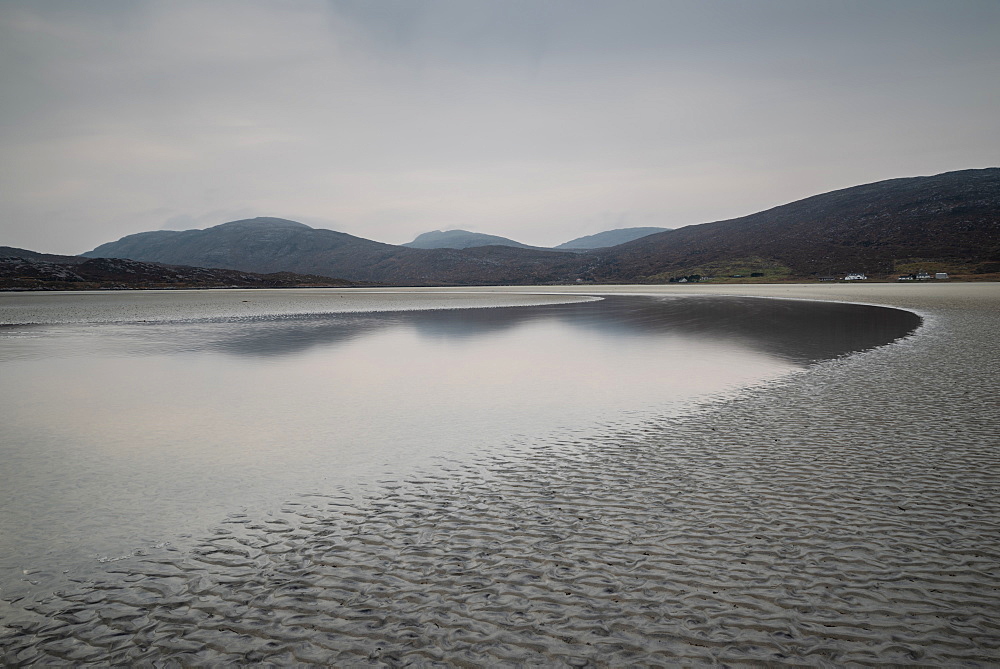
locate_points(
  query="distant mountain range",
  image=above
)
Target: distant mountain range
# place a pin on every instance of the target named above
(275, 244)
(875, 228)
(463, 239)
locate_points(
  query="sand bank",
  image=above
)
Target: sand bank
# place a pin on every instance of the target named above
(847, 514)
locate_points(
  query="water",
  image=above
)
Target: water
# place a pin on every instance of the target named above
(133, 420)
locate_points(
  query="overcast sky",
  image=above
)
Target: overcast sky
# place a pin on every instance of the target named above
(537, 120)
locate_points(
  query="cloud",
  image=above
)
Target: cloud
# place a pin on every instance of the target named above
(539, 120)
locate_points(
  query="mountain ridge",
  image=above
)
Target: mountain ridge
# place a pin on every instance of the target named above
(307, 250)
(953, 216)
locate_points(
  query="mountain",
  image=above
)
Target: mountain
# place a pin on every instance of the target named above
(952, 219)
(874, 228)
(21, 269)
(459, 239)
(463, 239)
(608, 238)
(275, 244)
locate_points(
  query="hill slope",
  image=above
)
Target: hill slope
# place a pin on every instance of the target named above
(21, 269)
(608, 238)
(953, 216)
(25, 254)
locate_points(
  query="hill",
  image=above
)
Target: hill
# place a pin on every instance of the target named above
(21, 269)
(272, 244)
(948, 222)
(11, 252)
(608, 238)
(952, 219)
(460, 239)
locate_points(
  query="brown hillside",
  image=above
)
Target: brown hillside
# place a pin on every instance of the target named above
(953, 216)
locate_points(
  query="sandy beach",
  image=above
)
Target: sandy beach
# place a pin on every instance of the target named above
(846, 514)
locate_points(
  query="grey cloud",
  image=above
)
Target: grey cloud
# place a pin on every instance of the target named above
(540, 121)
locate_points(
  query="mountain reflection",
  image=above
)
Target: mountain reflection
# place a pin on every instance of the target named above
(794, 331)
(148, 428)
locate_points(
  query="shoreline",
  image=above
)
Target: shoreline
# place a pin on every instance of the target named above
(849, 513)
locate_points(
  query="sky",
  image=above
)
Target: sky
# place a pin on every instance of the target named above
(539, 120)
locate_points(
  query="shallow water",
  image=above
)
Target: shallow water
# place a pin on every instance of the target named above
(134, 421)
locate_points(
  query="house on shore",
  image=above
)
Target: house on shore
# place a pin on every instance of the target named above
(922, 275)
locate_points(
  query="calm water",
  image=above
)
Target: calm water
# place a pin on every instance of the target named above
(135, 419)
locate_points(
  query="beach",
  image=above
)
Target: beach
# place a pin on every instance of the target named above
(845, 514)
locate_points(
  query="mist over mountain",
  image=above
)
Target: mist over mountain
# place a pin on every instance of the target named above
(952, 217)
(608, 238)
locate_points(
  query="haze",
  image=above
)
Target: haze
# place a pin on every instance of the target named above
(541, 121)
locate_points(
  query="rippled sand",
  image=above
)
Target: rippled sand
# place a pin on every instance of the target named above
(848, 514)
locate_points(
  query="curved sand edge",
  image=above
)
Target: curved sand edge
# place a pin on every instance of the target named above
(850, 514)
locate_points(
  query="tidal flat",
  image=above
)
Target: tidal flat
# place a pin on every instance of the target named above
(846, 513)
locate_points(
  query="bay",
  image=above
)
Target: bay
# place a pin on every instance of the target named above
(135, 420)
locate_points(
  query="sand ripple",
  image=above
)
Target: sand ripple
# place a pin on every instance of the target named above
(850, 515)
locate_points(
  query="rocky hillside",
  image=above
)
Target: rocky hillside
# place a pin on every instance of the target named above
(25, 254)
(21, 269)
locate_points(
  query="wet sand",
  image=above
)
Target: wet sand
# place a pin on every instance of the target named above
(847, 514)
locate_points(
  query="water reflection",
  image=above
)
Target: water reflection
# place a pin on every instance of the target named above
(123, 435)
(796, 331)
